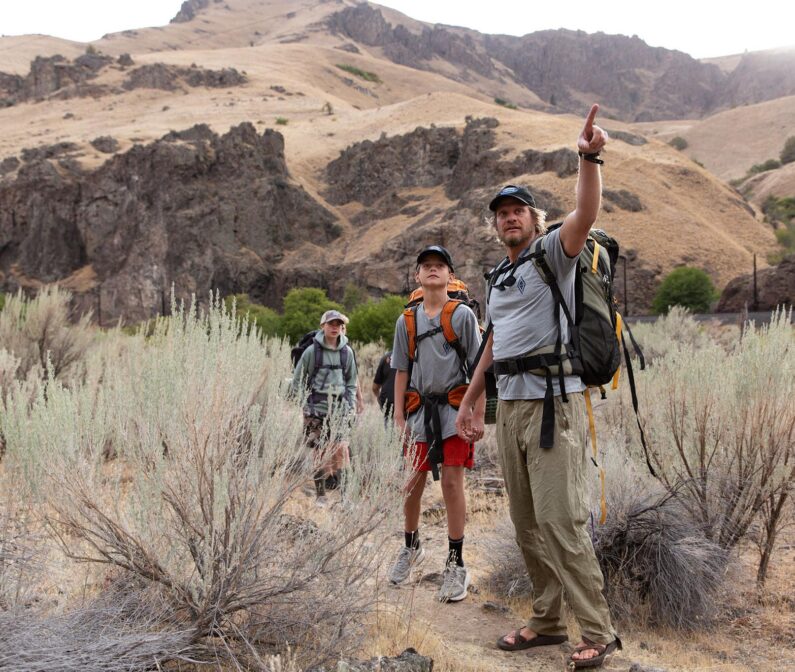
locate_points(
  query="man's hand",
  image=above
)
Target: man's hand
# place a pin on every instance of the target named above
(469, 424)
(592, 138)
(400, 421)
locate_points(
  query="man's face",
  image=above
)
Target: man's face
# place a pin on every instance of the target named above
(433, 272)
(514, 223)
(332, 329)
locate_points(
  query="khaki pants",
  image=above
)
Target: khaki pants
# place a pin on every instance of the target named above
(546, 490)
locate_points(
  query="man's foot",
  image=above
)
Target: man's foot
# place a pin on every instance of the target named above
(525, 638)
(590, 654)
(455, 581)
(406, 559)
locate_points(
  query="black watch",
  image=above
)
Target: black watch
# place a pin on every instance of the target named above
(593, 158)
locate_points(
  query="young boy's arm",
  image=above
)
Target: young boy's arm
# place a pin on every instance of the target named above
(400, 362)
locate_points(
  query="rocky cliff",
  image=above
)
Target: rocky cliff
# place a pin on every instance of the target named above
(775, 287)
(569, 69)
(193, 209)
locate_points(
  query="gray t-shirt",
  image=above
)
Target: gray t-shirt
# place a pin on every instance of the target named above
(437, 368)
(524, 319)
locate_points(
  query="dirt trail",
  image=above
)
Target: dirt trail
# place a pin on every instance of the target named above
(466, 632)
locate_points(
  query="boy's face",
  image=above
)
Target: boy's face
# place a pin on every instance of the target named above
(332, 329)
(432, 272)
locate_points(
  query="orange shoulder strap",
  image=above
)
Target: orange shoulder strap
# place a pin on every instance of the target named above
(447, 320)
(409, 315)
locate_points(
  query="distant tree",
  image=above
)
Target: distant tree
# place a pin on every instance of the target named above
(788, 153)
(303, 308)
(375, 320)
(266, 319)
(688, 287)
(354, 296)
(678, 143)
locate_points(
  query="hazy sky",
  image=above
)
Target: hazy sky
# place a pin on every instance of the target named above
(701, 29)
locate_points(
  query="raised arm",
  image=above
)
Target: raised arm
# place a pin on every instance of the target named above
(578, 223)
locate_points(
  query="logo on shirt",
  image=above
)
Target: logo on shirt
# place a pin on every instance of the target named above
(521, 285)
(446, 347)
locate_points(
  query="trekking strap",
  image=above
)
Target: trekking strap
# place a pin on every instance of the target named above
(315, 397)
(445, 327)
(631, 379)
(592, 427)
(619, 326)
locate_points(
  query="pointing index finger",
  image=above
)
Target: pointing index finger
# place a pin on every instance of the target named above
(591, 116)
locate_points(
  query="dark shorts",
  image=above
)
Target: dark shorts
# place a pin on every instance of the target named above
(319, 431)
(456, 451)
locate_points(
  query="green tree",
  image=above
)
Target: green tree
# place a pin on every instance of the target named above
(678, 143)
(688, 287)
(788, 153)
(354, 296)
(303, 308)
(375, 320)
(266, 319)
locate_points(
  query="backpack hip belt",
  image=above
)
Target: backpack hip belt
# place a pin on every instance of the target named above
(431, 403)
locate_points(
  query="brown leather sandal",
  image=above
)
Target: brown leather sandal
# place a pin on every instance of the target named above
(604, 650)
(520, 642)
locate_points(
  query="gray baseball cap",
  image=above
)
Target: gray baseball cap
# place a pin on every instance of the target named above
(330, 315)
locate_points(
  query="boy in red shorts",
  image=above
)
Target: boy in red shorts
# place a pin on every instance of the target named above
(430, 362)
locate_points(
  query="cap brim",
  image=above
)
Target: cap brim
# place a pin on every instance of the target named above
(496, 201)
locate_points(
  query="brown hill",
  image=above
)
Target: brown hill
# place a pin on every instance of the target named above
(383, 148)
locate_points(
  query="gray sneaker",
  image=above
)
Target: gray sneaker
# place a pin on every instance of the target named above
(455, 581)
(406, 559)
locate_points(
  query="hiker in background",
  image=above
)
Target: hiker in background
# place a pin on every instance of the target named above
(541, 416)
(326, 373)
(384, 386)
(435, 344)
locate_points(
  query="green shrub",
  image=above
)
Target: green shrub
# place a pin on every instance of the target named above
(770, 164)
(375, 320)
(781, 213)
(505, 103)
(303, 308)
(358, 72)
(266, 319)
(788, 153)
(281, 121)
(2, 300)
(678, 143)
(354, 296)
(688, 287)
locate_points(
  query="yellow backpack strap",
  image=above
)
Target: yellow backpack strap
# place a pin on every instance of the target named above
(596, 249)
(592, 427)
(619, 328)
(410, 318)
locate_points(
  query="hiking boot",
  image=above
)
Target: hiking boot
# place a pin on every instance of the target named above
(455, 581)
(406, 559)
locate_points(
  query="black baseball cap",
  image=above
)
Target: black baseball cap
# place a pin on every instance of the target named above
(441, 251)
(512, 191)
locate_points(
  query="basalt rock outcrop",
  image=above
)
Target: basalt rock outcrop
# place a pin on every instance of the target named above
(775, 287)
(58, 77)
(190, 8)
(194, 209)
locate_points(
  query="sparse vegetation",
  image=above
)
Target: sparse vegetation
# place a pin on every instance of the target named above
(678, 142)
(505, 103)
(688, 287)
(788, 152)
(282, 121)
(770, 164)
(358, 72)
(781, 213)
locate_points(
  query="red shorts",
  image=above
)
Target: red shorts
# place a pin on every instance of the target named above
(456, 451)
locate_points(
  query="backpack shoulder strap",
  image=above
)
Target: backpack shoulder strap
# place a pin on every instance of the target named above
(344, 357)
(410, 317)
(450, 336)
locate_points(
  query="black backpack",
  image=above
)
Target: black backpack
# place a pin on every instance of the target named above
(307, 341)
